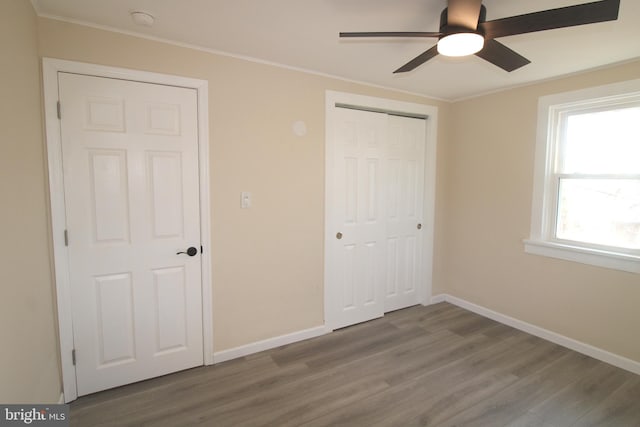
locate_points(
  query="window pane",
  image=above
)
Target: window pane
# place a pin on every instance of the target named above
(600, 211)
(605, 142)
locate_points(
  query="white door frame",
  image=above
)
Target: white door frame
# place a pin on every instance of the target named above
(383, 105)
(50, 69)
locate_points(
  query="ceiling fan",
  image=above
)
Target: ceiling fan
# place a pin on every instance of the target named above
(465, 31)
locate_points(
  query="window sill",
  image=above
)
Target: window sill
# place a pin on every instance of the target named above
(613, 260)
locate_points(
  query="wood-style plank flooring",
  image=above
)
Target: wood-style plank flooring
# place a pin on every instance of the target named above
(423, 366)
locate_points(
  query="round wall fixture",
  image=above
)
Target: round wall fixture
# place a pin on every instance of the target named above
(142, 18)
(299, 128)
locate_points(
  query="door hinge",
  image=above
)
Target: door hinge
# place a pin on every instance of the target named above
(66, 238)
(73, 357)
(59, 110)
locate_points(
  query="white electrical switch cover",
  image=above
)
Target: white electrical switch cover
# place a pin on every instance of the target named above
(246, 200)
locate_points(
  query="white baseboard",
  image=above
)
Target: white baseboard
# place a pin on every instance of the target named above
(438, 299)
(258, 346)
(587, 349)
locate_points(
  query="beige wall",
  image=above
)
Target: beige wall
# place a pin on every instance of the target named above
(268, 260)
(487, 189)
(28, 352)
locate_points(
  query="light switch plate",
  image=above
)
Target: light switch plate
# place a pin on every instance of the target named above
(245, 200)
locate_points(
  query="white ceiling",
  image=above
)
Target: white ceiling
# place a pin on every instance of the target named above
(304, 34)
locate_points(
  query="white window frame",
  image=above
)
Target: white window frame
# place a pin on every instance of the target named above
(542, 240)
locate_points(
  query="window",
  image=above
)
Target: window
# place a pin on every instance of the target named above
(586, 205)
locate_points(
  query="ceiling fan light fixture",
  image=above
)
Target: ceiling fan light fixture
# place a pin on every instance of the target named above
(460, 44)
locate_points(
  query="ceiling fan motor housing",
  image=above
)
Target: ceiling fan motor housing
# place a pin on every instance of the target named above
(447, 29)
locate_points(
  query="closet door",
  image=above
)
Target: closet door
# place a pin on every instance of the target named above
(373, 223)
(357, 249)
(404, 204)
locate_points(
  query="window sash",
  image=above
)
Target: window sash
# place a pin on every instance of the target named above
(554, 213)
(559, 118)
(597, 176)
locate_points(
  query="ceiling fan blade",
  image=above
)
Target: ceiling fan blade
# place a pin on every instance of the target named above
(580, 14)
(392, 34)
(501, 56)
(418, 60)
(464, 13)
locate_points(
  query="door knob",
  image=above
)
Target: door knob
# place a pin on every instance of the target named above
(339, 236)
(191, 251)
(419, 226)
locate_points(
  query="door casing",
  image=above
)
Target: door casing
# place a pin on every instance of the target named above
(50, 69)
(381, 104)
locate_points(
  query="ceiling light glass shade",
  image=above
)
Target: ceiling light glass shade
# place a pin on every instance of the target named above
(460, 44)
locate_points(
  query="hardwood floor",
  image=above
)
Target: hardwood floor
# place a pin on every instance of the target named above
(423, 366)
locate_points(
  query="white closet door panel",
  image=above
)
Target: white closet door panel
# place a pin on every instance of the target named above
(405, 200)
(358, 253)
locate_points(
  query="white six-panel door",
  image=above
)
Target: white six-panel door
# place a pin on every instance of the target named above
(359, 217)
(130, 155)
(376, 209)
(404, 204)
